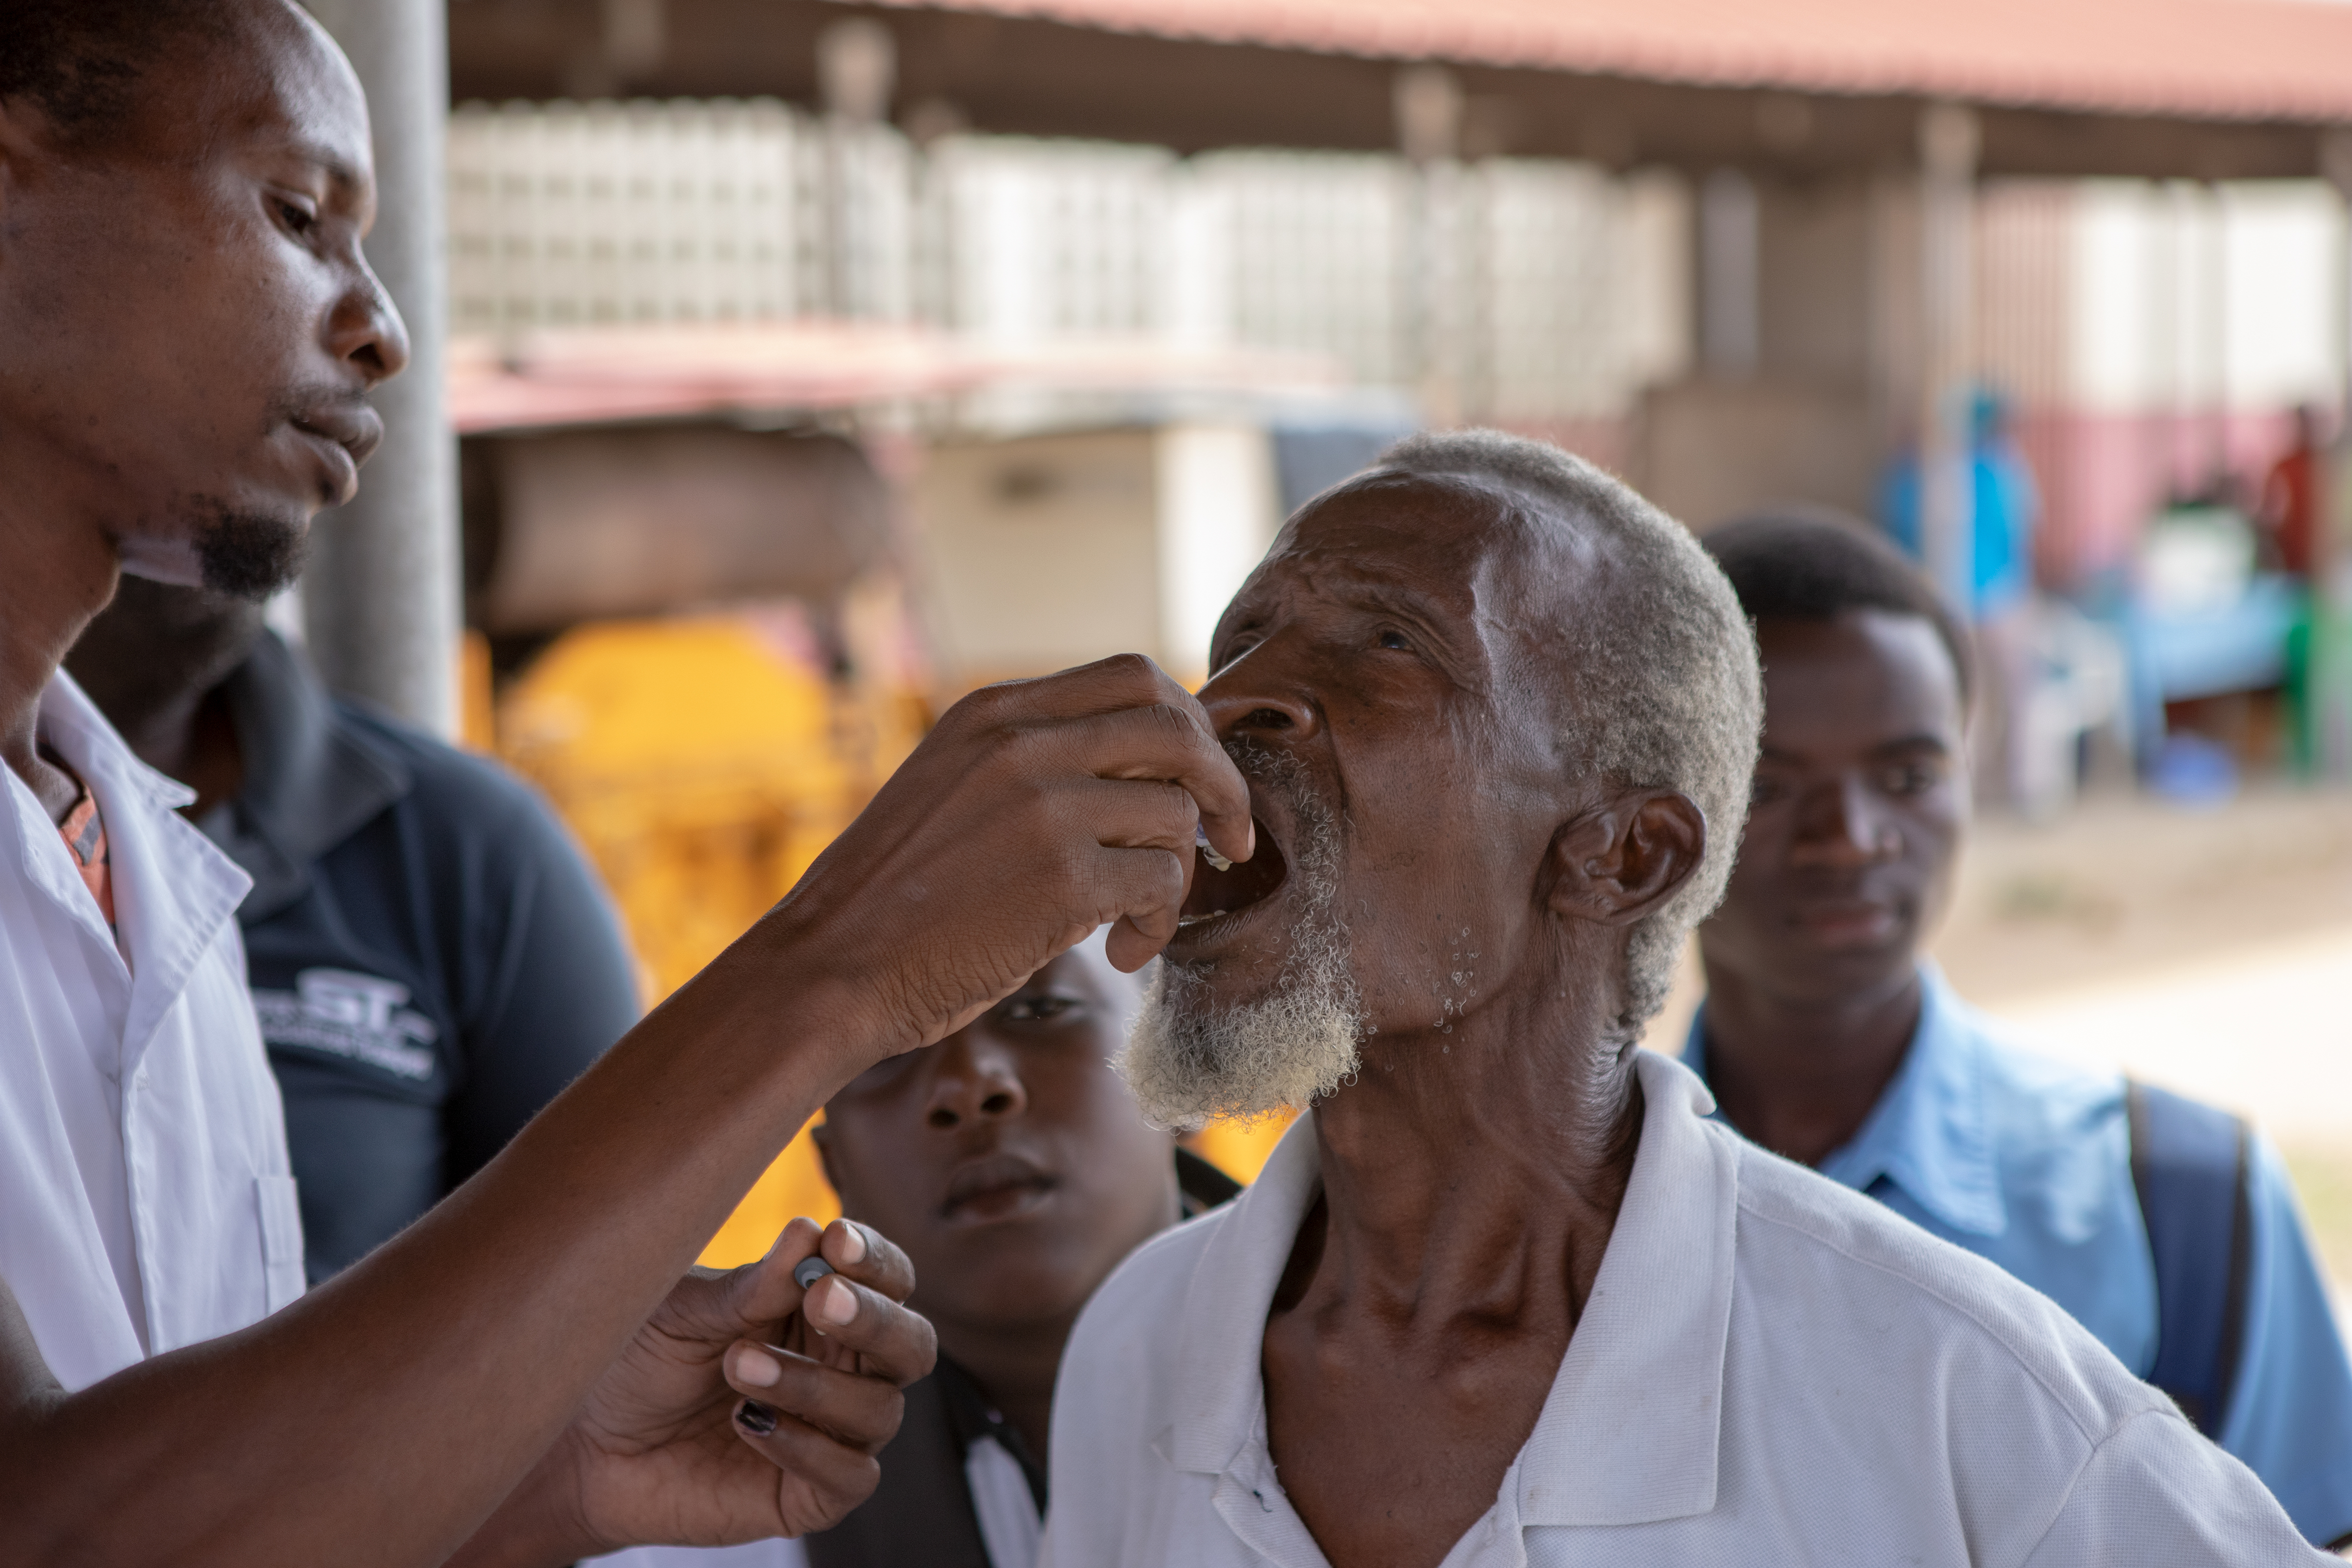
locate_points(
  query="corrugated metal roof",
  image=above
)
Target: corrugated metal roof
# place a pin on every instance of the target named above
(2237, 59)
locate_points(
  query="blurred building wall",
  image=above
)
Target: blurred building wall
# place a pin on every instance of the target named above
(2154, 339)
(2151, 336)
(1542, 294)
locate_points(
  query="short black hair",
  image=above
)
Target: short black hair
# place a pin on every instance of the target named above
(1812, 564)
(82, 60)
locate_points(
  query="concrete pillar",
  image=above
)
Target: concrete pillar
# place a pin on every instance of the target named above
(1948, 167)
(1730, 276)
(857, 67)
(1428, 104)
(382, 597)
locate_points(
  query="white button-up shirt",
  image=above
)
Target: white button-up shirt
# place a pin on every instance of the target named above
(145, 1201)
(1771, 1370)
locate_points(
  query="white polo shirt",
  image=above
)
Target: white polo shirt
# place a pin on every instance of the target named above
(145, 1201)
(1771, 1370)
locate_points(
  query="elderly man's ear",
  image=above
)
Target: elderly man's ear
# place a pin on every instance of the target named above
(1619, 862)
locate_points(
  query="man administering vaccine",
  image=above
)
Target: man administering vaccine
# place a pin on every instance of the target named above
(528, 1373)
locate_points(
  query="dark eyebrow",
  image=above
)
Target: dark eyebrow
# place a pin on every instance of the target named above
(1381, 596)
(340, 172)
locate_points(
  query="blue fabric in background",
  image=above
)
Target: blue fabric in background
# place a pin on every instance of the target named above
(2006, 506)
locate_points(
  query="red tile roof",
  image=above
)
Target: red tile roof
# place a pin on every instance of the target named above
(2237, 59)
(591, 376)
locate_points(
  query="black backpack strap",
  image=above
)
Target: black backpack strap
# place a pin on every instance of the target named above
(2191, 1167)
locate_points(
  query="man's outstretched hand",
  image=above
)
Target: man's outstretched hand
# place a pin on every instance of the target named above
(742, 1410)
(1033, 812)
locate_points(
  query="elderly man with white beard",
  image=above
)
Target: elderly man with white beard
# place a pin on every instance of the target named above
(1507, 1294)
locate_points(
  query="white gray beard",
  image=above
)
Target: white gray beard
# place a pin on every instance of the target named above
(1190, 1062)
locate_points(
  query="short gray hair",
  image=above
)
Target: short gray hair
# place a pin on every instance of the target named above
(1671, 693)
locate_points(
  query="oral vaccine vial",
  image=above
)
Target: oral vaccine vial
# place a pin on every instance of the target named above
(1200, 842)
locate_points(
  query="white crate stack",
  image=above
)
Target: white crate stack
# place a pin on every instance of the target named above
(1540, 289)
(1054, 240)
(1552, 347)
(1317, 253)
(574, 214)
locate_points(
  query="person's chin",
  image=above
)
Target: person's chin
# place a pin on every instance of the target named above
(1007, 1275)
(251, 553)
(1030, 1292)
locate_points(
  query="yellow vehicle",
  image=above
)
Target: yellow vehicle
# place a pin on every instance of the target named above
(705, 762)
(706, 757)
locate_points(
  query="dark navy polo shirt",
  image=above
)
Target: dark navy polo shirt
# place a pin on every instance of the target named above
(431, 958)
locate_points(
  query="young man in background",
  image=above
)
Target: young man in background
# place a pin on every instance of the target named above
(2163, 1226)
(1015, 1167)
(1012, 1163)
(431, 959)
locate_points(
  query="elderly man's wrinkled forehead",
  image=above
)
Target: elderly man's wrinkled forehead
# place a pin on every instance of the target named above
(1479, 550)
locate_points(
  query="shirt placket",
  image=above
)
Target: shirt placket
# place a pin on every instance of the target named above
(139, 1156)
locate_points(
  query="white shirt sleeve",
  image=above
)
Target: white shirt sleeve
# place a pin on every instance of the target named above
(2155, 1492)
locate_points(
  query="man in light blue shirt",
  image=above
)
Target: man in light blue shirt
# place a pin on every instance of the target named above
(2163, 1226)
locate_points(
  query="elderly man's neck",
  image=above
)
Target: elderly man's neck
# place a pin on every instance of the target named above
(1471, 1181)
(1497, 1151)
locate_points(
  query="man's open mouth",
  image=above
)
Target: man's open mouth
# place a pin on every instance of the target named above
(1216, 894)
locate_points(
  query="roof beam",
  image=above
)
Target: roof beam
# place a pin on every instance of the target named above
(1017, 76)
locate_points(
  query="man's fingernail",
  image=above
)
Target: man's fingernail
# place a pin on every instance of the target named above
(838, 1306)
(755, 1418)
(758, 1368)
(853, 1246)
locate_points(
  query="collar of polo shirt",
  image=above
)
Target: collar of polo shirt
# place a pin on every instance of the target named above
(1650, 1343)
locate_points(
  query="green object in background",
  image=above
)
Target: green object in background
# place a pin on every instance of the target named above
(2324, 696)
(2303, 725)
